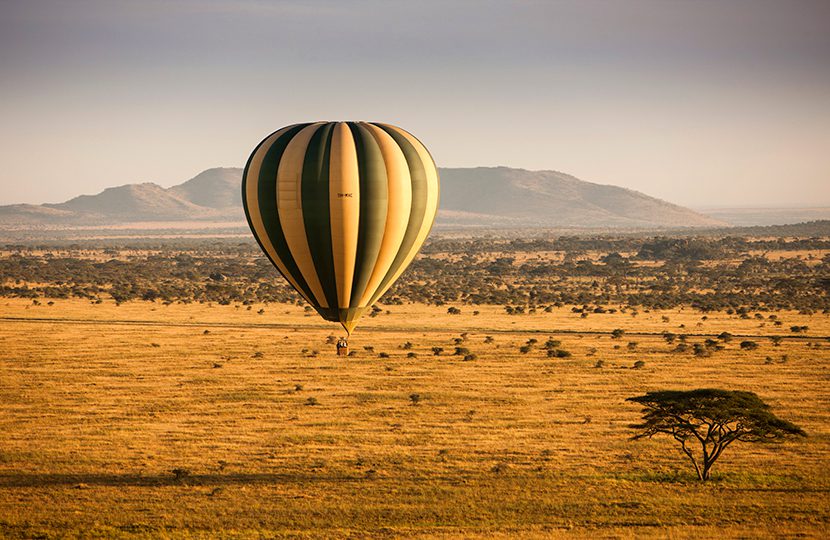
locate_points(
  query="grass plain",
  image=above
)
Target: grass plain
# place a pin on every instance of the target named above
(190, 421)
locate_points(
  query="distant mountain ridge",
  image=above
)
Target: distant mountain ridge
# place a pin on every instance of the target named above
(517, 197)
(482, 196)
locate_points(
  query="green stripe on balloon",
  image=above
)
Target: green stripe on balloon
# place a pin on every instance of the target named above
(417, 211)
(267, 197)
(316, 211)
(374, 199)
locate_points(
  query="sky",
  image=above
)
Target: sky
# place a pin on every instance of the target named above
(705, 103)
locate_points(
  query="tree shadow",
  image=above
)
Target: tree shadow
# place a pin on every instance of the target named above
(25, 480)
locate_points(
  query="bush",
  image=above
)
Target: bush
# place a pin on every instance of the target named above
(461, 351)
(469, 357)
(639, 364)
(700, 350)
(180, 473)
(436, 351)
(749, 345)
(552, 343)
(617, 333)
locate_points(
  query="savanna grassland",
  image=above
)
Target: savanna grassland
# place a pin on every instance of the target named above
(204, 400)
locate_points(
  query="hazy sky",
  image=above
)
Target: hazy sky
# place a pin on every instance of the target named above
(700, 102)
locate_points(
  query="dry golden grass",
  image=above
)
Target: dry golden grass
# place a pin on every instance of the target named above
(100, 404)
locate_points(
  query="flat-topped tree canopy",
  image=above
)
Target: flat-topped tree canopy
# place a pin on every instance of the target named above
(713, 417)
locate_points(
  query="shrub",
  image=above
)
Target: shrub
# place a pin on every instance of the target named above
(469, 357)
(436, 351)
(461, 351)
(552, 343)
(700, 350)
(617, 333)
(415, 398)
(639, 364)
(180, 473)
(749, 345)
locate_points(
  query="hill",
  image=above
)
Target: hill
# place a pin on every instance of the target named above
(482, 196)
(217, 188)
(132, 202)
(517, 197)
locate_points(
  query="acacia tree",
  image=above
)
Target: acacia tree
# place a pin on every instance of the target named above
(710, 419)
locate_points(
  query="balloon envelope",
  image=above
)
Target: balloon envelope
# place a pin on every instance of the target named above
(341, 209)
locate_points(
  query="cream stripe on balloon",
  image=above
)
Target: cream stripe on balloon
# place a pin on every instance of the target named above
(432, 190)
(289, 204)
(399, 206)
(344, 204)
(252, 200)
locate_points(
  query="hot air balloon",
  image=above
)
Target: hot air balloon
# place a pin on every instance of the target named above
(341, 209)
